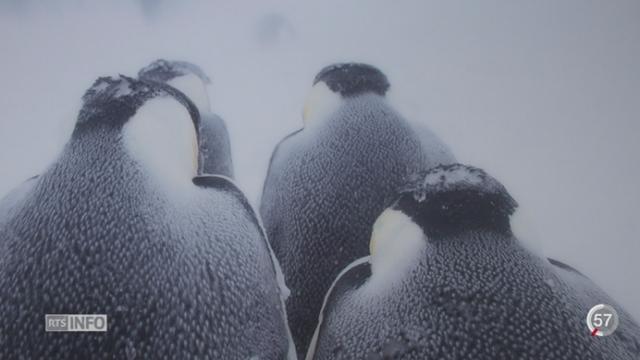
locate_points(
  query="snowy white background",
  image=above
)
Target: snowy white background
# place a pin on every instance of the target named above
(544, 95)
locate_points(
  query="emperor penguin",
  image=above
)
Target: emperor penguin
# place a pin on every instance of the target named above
(447, 279)
(214, 143)
(327, 182)
(121, 224)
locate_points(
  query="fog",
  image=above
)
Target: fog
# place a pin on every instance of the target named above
(544, 95)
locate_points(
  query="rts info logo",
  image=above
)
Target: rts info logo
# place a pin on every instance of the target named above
(75, 322)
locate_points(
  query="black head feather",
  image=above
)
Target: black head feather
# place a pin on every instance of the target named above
(164, 70)
(450, 199)
(112, 101)
(352, 79)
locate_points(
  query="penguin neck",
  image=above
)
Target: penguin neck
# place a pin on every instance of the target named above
(101, 166)
(396, 245)
(476, 238)
(437, 223)
(320, 104)
(162, 140)
(351, 114)
(95, 165)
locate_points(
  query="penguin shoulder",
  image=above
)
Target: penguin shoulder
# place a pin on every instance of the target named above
(352, 277)
(558, 265)
(15, 198)
(279, 152)
(437, 150)
(226, 185)
(580, 285)
(283, 146)
(588, 293)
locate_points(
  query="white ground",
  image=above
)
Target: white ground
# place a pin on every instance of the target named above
(545, 96)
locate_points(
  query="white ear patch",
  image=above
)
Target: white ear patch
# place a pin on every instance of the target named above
(195, 89)
(320, 103)
(397, 243)
(161, 136)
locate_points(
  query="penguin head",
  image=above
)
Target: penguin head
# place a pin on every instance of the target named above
(443, 202)
(352, 79)
(451, 199)
(184, 76)
(338, 82)
(154, 123)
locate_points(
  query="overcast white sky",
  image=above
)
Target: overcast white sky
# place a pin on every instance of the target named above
(545, 95)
